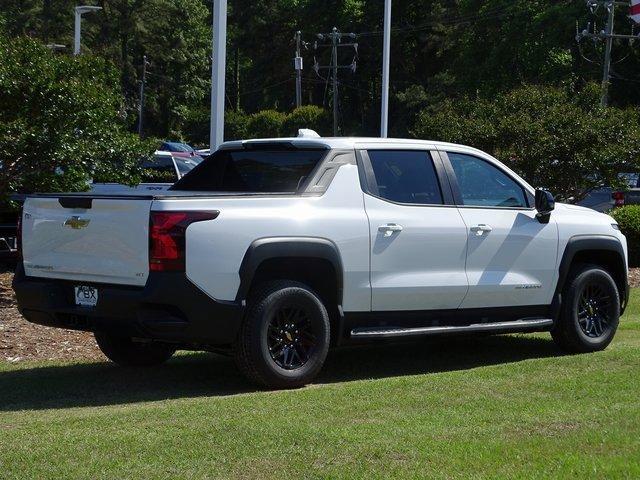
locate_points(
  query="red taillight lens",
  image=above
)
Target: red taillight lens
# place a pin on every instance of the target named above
(167, 238)
(618, 198)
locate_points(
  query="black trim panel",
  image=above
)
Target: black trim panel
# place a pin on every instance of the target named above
(287, 247)
(168, 308)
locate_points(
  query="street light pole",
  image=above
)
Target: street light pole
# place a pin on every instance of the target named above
(142, 86)
(79, 11)
(218, 68)
(386, 53)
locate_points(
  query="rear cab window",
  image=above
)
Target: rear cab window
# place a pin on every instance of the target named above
(269, 170)
(405, 176)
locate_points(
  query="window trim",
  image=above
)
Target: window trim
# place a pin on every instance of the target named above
(455, 186)
(369, 185)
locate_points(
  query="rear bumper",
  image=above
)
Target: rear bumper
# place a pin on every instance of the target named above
(168, 308)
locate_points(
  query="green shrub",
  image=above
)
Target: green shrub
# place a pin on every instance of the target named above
(265, 124)
(309, 116)
(629, 220)
(235, 125)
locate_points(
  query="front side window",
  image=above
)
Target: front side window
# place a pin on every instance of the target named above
(484, 185)
(252, 171)
(405, 176)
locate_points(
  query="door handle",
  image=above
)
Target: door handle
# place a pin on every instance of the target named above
(481, 229)
(389, 229)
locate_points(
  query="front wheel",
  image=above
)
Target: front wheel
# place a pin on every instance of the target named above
(284, 338)
(590, 311)
(128, 353)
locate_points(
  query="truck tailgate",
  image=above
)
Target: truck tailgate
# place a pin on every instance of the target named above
(103, 240)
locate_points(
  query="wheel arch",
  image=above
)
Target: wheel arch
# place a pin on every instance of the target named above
(266, 251)
(601, 250)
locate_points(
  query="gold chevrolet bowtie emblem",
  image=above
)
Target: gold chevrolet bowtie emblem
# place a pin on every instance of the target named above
(76, 222)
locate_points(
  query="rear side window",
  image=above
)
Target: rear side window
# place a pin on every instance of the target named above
(252, 171)
(484, 185)
(405, 176)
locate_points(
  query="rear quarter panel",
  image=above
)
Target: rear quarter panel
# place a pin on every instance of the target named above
(215, 249)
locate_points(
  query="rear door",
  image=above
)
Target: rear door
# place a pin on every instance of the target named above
(103, 240)
(418, 238)
(511, 256)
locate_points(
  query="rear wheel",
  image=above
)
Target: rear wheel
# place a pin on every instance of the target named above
(126, 352)
(284, 338)
(590, 311)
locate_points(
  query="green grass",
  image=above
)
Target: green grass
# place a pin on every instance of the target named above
(497, 407)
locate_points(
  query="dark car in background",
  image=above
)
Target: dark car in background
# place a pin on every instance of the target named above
(603, 199)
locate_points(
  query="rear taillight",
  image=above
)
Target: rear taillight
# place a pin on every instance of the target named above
(167, 238)
(19, 235)
(618, 198)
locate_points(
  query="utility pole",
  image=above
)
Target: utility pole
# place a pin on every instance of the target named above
(334, 65)
(297, 64)
(142, 86)
(611, 8)
(386, 54)
(607, 36)
(336, 43)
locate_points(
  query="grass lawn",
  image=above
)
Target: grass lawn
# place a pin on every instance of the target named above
(510, 406)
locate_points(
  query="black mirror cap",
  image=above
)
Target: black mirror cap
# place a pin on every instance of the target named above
(545, 204)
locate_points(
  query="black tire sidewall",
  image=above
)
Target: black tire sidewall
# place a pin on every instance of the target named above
(583, 277)
(295, 295)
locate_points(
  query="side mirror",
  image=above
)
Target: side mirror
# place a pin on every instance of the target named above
(545, 203)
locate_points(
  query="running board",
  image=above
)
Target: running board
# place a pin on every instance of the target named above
(497, 327)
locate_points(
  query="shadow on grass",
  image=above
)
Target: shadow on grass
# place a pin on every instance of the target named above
(203, 374)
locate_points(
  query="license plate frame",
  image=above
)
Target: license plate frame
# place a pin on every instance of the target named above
(85, 296)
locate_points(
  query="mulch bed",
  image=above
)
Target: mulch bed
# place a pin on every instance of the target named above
(21, 340)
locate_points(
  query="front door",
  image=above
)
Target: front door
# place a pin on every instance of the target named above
(418, 242)
(511, 256)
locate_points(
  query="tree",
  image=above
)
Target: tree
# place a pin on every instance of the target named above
(61, 121)
(308, 116)
(568, 144)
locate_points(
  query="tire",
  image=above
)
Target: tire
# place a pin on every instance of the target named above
(127, 353)
(590, 311)
(285, 336)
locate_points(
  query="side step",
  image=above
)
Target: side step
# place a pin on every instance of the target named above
(498, 327)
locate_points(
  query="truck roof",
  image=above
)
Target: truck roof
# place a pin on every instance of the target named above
(340, 142)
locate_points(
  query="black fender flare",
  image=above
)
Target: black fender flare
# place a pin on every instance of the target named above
(287, 247)
(580, 243)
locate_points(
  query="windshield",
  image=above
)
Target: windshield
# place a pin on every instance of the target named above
(176, 147)
(252, 171)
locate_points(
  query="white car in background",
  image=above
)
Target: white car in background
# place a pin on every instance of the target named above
(158, 174)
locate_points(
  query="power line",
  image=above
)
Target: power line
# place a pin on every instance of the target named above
(491, 13)
(607, 36)
(335, 37)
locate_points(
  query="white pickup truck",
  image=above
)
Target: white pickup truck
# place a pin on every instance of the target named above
(274, 250)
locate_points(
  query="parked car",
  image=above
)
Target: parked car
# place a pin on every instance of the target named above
(158, 173)
(273, 251)
(604, 199)
(179, 149)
